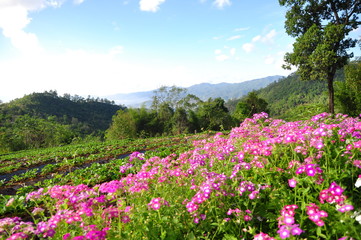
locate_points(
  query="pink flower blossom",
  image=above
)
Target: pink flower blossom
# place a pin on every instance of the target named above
(292, 182)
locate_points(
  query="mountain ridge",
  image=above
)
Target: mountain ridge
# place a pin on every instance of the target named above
(204, 91)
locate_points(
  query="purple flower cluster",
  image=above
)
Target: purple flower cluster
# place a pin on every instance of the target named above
(248, 186)
(312, 170)
(156, 203)
(16, 228)
(135, 156)
(333, 195)
(246, 215)
(263, 236)
(286, 222)
(315, 214)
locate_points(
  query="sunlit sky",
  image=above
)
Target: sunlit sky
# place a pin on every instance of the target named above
(104, 47)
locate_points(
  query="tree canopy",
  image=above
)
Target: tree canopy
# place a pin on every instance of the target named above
(321, 28)
(349, 92)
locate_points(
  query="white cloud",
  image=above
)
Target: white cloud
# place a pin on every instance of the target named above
(116, 50)
(241, 29)
(32, 5)
(248, 47)
(78, 1)
(269, 37)
(150, 5)
(269, 60)
(14, 18)
(234, 37)
(256, 38)
(232, 51)
(222, 57)
(217, 51)
(222, 3)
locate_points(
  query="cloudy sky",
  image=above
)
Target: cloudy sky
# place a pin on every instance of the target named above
(104, 47)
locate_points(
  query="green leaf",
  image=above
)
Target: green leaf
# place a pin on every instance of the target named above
(320, 234)
(229, 237)
(191, 236)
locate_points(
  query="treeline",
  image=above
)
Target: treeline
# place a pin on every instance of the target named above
(47, 119)
(173, 111)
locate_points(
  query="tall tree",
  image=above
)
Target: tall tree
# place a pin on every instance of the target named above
(213, 115)
(250, 105)
(123, 126)
(168, 95)
(349, 92)
(321, 28)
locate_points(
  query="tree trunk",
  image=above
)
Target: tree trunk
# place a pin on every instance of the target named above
(331, 106)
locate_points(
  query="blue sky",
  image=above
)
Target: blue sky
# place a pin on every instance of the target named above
(100, 48)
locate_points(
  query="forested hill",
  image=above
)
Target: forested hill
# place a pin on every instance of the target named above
(290, 96)
(92, 114)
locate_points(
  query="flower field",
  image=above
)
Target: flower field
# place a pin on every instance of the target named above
(266, 179)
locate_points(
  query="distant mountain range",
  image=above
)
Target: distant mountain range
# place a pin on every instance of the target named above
(204, 91)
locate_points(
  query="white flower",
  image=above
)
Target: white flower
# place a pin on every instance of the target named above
(358, 183)
(358, 218)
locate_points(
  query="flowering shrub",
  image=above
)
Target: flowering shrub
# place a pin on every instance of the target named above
(266, 179)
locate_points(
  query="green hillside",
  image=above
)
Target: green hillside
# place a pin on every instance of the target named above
(46, 120)
(96, 114)
(289, 97)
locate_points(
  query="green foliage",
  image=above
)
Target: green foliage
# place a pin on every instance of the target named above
(250, 105)
(305, 111)
(29, 132)
(213, 115)
(321, 28)
(123, 126)
(46, 119)
(173, 112)
(86, 116)
(348, 93)
(180, 122)
(170, 96)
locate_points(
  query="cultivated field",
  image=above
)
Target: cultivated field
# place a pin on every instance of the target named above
(266, 179)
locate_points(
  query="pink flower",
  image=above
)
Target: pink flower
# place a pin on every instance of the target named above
(284, 232)
(66, 236)
(156, 203)
(263, 236)
(345, 208)
(96, 235)
(292, 182)
(16, 236)
(10, 202)
(288, 220)
(315, 214)
(247, 218)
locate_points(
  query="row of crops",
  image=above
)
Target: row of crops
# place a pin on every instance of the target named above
(20, 172)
